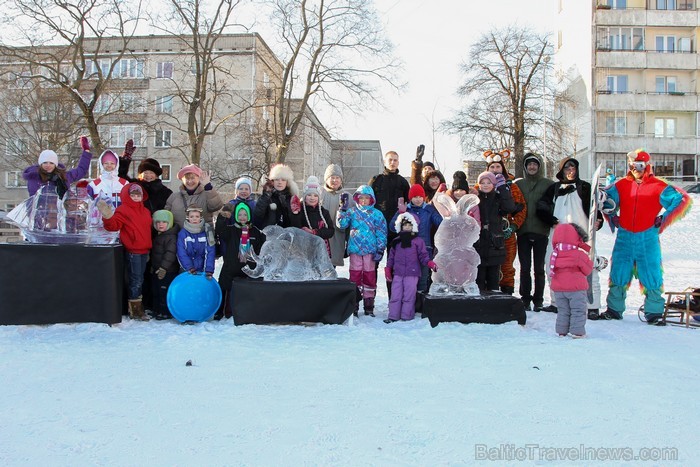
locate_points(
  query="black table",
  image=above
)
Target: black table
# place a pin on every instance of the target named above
(489, 309)
(268, 302)
(66, 283)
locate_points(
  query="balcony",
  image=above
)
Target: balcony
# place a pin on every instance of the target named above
(672, 61)
(625, 143)
(620, 59)
(678, 102)
(672, 18)
(619, 17)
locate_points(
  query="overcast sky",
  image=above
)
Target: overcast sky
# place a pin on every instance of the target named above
(432, 37)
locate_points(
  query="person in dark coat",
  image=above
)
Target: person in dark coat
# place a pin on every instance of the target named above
(310, 216)
(148, 176)
(495, 202)
(164, 264)
(272, 208)
(239, 237)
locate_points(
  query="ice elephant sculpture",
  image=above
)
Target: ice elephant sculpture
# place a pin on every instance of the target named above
(291, 254)
(457, 259)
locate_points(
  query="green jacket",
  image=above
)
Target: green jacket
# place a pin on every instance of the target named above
(533, 187)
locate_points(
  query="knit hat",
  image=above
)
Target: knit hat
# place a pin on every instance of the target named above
(530, 157)
(135, 188)
(244, 181)
(333, 169)
(150, 164)
(108, 156)
(47, 155)
(416, 190)
(244, 207)
(429, 164)
(488, 175)
(459, 181)
(639, 155)
(193, 207)
(312, 186)
(189, 169)
(163, 215)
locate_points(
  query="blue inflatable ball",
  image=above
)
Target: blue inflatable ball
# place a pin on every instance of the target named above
(193, 297)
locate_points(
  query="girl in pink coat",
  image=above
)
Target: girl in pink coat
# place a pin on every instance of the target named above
(569, 267)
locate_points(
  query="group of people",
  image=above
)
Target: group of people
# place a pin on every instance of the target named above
(543, 222)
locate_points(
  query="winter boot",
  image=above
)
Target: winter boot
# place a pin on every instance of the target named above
(593, 315)
(656, 320)
(507, 289)
(136, 310)
(609, 315)
(368, 304)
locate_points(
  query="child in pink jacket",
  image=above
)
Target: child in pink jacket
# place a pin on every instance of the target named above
(569, 268)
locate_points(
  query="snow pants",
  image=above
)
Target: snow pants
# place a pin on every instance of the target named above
(507, 282)
(363, 274)
(532, 248)
(403, 297)
(572, 312)
(639, 255)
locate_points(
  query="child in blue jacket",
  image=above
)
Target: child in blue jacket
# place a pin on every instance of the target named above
(196, 250)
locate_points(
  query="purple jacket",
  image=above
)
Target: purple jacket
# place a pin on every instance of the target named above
(31, 173)
(407, 261)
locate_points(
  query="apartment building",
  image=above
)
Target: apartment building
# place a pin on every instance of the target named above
(144, 103)
(633, 68)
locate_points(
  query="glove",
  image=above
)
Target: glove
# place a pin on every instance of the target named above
(295, 204)
(402, 206)
(658, 221)
(378, 256)
(442, 188)
(432, 265)
(129, 150)
(104, 209)
(388, 274)
(208, 275)
(85, 143)
(268, 187)
(420, 151)
(508, 232)
(500, 180)
(227, 210)
(344, 202)
(192, 271)
(160, 273)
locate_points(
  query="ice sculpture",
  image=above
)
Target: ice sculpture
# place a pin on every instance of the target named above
(291, 254)
(457, 259)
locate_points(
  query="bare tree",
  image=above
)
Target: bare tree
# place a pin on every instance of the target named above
(503, 88)
(334, 52)
(63, 45)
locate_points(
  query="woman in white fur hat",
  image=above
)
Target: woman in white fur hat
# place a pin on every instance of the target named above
(273, 207)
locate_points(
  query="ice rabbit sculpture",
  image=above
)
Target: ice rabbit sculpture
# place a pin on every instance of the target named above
(457, 259)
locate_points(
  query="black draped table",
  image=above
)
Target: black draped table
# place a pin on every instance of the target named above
(66, 283)
(489, 309)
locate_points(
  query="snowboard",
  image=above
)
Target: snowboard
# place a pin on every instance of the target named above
(592, 217)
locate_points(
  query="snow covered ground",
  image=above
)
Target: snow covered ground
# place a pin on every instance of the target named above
(359, 394)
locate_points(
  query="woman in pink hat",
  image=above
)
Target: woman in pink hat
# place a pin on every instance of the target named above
(196, 190)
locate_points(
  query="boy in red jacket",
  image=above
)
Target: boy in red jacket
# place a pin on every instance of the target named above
(569, 267)
(133, 221)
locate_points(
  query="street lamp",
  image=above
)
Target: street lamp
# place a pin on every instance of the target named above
(544, 115)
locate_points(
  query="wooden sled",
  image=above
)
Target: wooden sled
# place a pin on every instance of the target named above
(682, 307)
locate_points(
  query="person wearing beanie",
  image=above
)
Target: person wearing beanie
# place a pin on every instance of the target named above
(133, 222)
(569, 268)
(429, 220)
(148, 176)
(312, 217)
(420, 168)
(196, 190)
(333, 198)
(495, 201)
(532, 235)
(515, 220)
(645, 207)
(274, 205)
(404, 267)
(164, 266)
(568, 201)
(109, 184)
(244, 194)
(196, 250)
(48, 171)
(240, 237)
(460, 187)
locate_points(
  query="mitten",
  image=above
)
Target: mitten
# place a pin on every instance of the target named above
(160, 273)
(432, 265)
(402, 206)
(388, 274)
(378, 256)
(209, 275)
(508, 232)
(268, 187)
(84, 143)
(129, 150)
(227, 210)
(500, 180)
(295, 204)
(420, 151)
(442, 188)
(344, 201)
(192, 271)
(104, 209)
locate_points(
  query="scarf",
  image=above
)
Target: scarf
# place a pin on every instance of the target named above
(406, 238)
(555, 252)
(244, 245)
(194, 228)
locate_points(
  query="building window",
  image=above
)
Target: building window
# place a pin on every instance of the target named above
(665, 4)
(119, 135)
(104, 103)
(15, 147)
(132, 103)
(13, 179)
(617, 84)
(616, 125)
(164, 104)
(166, 172)
(129, 68)
(164, 70)
(97, 67)
(664, 127)
(666, 44)
(20, 80)
(621, 38)
(18, 113)
(163, 138)
(665, 84)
